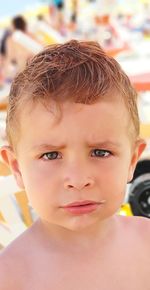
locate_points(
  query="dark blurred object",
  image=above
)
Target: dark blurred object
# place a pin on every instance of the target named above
(19, 22)
(139, 193)
(74, 12)
(146, 28)
(5, 36)
(59, 4)
(142, 167)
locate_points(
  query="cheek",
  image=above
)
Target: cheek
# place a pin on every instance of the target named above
(40, 180)
(114, 167)
(114, 175)
(113, 188)
(38, 172)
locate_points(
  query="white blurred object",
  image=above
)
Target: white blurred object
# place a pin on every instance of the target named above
(135, 66)
(27, 42)
(4, 91)
(3, 128)
(144, 107)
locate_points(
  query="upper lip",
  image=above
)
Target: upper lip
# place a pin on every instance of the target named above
(83, 202)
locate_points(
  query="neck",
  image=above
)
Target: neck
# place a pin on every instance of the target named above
(83, 239)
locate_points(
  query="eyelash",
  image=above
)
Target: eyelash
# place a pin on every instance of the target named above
(99, 153)
(55, 153)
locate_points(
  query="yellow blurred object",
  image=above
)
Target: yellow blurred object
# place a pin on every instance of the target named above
(16, 214)
(145, 130)
(145, 1)
(125, 210)
(45, 39)
(4, 170)
(45, 33)
(23, 205)
(42, 9)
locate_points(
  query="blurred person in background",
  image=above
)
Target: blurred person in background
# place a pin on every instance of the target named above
(20, 45)
(6, 33)
(56, 9)
(74, 15)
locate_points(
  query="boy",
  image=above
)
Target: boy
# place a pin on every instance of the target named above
(73, 132)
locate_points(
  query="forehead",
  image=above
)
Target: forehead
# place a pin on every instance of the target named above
(102, 119)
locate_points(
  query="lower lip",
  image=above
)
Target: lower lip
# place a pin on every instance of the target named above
(82, 209)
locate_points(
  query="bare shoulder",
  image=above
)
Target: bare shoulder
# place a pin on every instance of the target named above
(138, 228)
(142, 228)
(13, 262)
(8, 269)
(135, 222)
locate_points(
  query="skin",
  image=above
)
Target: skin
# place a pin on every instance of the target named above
(85, 155)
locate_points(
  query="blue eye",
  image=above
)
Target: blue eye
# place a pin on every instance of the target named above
(51, 155)
(100, 153)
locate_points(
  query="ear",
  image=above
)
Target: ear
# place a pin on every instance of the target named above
(137, 151)
(9, 157)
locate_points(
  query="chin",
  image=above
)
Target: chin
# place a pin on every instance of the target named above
(81, 223)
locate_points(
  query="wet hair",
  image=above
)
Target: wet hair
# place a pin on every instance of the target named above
(19, 23)
(77, 71)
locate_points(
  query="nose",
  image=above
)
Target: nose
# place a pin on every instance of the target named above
(78, 183)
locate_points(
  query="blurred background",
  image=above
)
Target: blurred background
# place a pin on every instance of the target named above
(122, 27)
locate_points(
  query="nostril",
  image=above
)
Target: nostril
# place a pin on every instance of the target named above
(88, 184)
(79, 186)
(70, 186)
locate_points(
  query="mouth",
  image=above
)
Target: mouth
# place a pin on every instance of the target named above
(83, 207)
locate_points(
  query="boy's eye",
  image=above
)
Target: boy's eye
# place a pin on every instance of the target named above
(51, 155)
(100, 153)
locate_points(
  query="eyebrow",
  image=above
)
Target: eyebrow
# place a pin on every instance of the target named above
(105, 144)
(46, 147)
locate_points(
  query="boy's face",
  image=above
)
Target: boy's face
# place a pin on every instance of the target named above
(85, 158)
